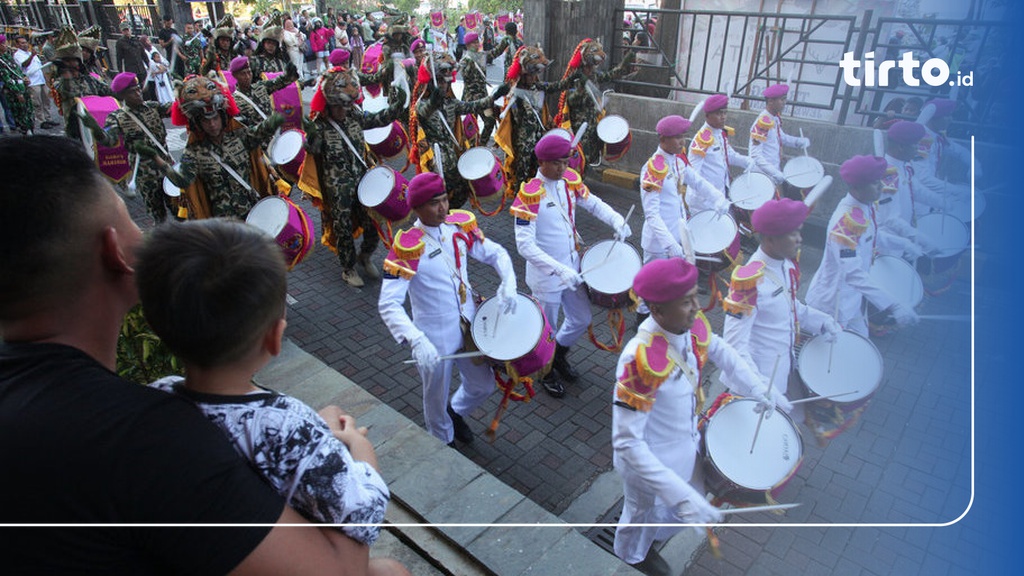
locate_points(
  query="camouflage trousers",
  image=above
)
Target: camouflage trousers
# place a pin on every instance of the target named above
(346, 215)
(150, 183)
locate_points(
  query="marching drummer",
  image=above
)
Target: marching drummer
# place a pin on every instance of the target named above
(73, 82)
(767, 137)
(334, 140)
(253, 98)
(139, 122)
(903, 197)
(763, 316)
(546, 236)
(473, 68)
(944, 159)
(842, 282)
(710, 153)
(656, 403)
(270, 55)
(428, 262)
(662, 179)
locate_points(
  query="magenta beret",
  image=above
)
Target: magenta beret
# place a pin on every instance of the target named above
(417, 43)
(3, 37)
(471, 37)
(861, 170)
(672, 126)
(552, 147)
(943, 107)
(665, 280)
(904, 132)
(238, 63)
(423, 187)
(778, 217)
(122, 82)
(716, 102)
(339, 57)
(776, 91)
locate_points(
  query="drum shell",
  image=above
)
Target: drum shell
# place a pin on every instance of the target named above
(953, 242)
(287, 101)
(394, 207)
(489, 184)
(537, 360)
(392, 145)
(616, 141)
(726, 257)
(288, 223)
(830, 417)
(112, 162)
(626, 262)
(291, 168)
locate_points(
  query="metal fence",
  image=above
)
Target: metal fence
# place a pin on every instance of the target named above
(37, 15)
(707, 52)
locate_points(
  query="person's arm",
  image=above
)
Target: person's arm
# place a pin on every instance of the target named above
(526, 244)
(601, 210)
(736, 159)
(703, 195)
(650, 201)
(739, 372)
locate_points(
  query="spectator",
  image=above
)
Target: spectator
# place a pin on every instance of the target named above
(32, 65)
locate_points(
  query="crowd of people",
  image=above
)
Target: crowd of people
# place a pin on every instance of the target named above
(214, 289)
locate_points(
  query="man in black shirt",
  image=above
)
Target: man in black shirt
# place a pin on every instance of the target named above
(169, 39)
(83, 446)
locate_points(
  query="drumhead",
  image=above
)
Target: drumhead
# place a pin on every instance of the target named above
(87, 139)
(803, 171)
(750, 190)
(610, 273)
(560, 132)
(476, 163)
(170, 188)
(270, 215)
(776, 454)
(899, 279)
(613, 129)
(948, 233)
(375, 186)
(856, 365)
(711, 232)
(286, 146)
(517, 333)
(375, 136)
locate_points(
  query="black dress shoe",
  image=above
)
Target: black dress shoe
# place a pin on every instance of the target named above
(552, 385)
(462, 432)
(653, 564)
(562, 366)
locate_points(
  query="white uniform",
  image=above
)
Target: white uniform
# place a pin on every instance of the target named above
(665, 233)
(945, 152)
(765, 327)
(655, 451)
(711, 156)
(548, 242)
(894, 210)
(766, 142)
(437, 309)
(843, 273)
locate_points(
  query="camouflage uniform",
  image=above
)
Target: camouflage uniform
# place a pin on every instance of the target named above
(474, 80)
(528, 127)
(70, 88)
(16, 93)
(193, 51)
(339, 173)
(510, 43)
(217, 59)
(226, 195)
(261, 62)
(436, 132)
(259, 92)
(583, 102)
(149, 179)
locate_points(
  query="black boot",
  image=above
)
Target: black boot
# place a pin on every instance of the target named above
(462, 431)
(561, 364)
(552, 385)
(653, 564)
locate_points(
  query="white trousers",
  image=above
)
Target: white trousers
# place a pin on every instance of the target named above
(576, 306)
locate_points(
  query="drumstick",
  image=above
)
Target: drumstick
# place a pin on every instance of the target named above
(472, 354)
(802, 135)
(766, 508)
(611, 246)
(760, 419)
(579, 136)
(832, 344)
(829, 397)
(135, 172)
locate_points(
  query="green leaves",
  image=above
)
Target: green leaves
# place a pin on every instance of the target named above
(141, 355)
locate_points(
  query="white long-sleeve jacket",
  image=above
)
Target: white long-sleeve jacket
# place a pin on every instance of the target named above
(665, 213)
(766, 142)
(711, 155)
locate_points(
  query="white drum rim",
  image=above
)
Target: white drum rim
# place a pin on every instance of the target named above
(375, 136)
(526, 309)
(612, 275)
(812, 367)
(946, 248)
(470, 165)
(702, 243)
(560, 132)
(808, 171)
(885, 267)
(371, 195)
(613, 129)
(287, 142)
(733, 458)
(753, 189)
(266, 215)
(170, 188)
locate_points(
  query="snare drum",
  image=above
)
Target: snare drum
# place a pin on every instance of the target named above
(850, 364)
(613, 130)
(577, 160)
(482, 170)
(287, 223)
(751, 190)
(288, 102)
(112, 162)
(522, 340)
(383, 189)
(716, 240)
(386, 141)
(735, 474)
(803, 172)
(609, 267)
(950, 235)
(899, 280)
(287, 151)
(170, 188)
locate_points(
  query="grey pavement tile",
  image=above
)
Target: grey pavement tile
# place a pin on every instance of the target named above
(511, 550)
(574, 554)
(434, 478)
(484, 500)
(403, 448)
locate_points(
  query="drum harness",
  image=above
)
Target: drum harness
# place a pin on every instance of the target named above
(348, 142)
(453, 265)
(262, 114)
(146, 131)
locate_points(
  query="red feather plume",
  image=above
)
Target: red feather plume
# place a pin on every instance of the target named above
(178, 117)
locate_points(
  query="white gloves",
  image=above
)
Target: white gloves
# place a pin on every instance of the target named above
(904, 316)
(831, 330)
(913, 251)
(803, 143)
(675, 251)
(698, 511)
(425, 354)
(507, 297)
(570, 278)
(780, 400)
(624, 232)
(722, 207)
